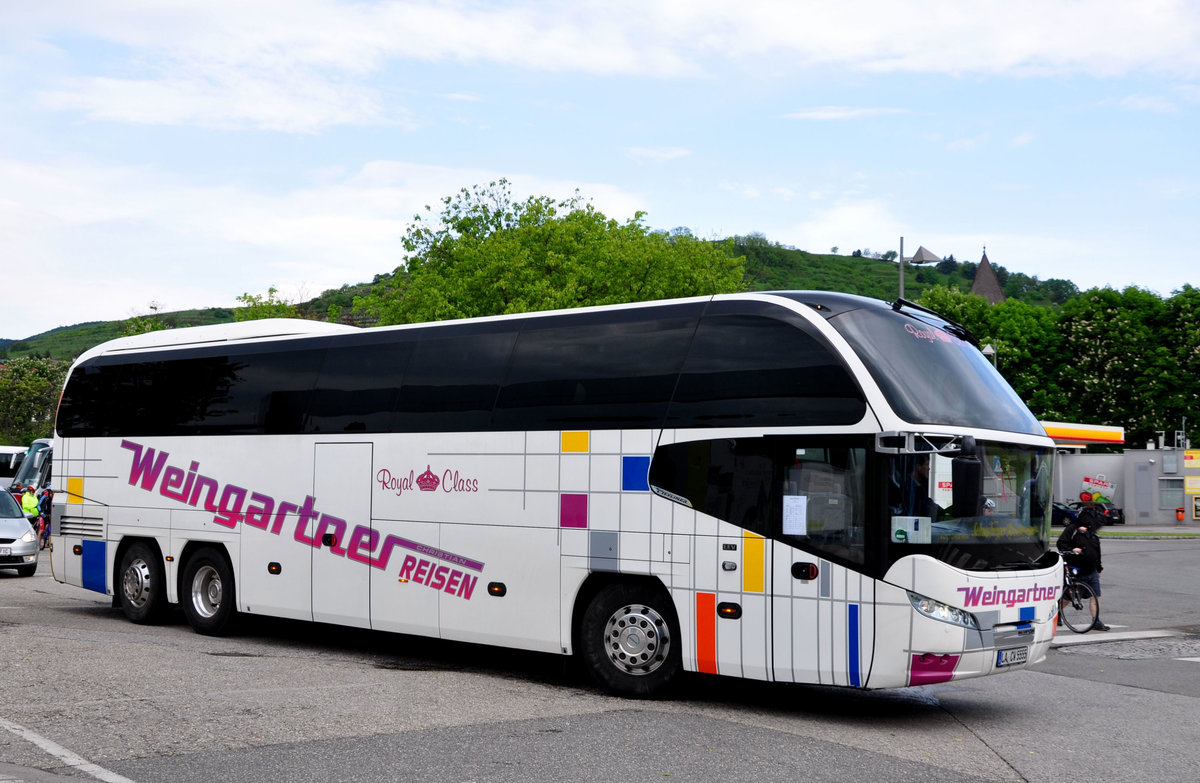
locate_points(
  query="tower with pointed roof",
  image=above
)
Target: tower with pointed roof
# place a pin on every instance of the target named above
(986, 283)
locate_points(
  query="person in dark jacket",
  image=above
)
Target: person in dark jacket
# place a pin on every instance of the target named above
(1082, 547)
(45, 503)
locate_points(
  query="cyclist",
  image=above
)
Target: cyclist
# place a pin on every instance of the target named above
(1082, 547)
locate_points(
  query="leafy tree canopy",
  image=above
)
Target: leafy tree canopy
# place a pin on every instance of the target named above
(141, 324)
(255, 307)
(1125, 358)
(486, 254)
(29, 390)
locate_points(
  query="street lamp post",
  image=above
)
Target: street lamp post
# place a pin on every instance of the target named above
(922, 256)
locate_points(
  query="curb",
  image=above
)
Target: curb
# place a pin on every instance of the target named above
(1100, 637)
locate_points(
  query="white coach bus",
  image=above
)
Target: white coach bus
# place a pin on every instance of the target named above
(793, 486)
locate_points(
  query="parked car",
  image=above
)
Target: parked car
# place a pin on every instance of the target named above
(18, 541)
(1111, 514)
(1061, 514)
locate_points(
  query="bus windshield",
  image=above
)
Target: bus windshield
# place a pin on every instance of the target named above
(30, 469)
(1003, 525)
(929, 375)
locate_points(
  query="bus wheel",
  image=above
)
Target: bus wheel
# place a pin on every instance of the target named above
(630, 639)
(207, 588)
(141, 589)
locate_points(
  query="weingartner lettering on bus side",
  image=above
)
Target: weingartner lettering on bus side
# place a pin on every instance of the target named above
(228, 505)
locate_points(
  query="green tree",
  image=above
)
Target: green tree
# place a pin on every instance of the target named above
(1029, 354)
(255, 307)
(485, 254)
(140, 324)
(1118, 368)
(29, 390)
(970, 310)
(1181, 335)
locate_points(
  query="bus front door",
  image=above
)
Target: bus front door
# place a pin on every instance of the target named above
(823, 619)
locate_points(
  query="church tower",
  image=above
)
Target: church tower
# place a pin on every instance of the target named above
(986, 283)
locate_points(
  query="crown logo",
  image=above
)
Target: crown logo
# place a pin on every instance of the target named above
(427, 481)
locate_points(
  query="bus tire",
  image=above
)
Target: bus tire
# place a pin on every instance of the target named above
(207, 593)
(630, 639)
(141, 589)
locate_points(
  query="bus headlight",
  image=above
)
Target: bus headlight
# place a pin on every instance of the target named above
(943, 612)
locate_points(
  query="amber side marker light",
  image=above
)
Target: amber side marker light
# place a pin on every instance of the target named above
(497, 589)
(274, 568)
(729, 611)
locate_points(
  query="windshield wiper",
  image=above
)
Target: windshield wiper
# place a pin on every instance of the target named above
(954, 328)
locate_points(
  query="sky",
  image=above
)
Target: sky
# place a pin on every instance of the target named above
(179, 154)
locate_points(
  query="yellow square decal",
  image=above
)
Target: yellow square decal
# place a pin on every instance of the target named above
(74, 490)
(575, 442)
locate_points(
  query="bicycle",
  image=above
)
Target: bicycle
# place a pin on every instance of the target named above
(1078, 607)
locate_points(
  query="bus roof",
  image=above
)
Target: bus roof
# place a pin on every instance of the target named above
(216, 333)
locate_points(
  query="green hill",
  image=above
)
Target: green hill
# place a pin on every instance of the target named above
(769, 266)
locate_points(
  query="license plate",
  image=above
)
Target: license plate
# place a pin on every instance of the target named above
(5, 550)
(1012, 657)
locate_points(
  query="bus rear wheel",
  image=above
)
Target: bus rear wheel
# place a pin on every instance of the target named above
(142, 594)
(208, 597)
(630, 640)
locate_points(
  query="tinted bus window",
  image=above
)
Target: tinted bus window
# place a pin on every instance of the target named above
(239, 394)
(753, 370)
(268, 394)
(730, 479)
(590, 372)
(454, 376)
(359, 386)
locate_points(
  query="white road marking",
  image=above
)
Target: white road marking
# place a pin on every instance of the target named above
(71, 759)
(1066, 637)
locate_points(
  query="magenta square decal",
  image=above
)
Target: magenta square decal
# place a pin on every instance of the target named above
(572, 510)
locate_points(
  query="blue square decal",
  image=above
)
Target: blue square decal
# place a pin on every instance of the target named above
(635, 474)
(94, 559)
(1028, 614)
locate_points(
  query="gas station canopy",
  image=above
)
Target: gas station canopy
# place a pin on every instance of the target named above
(1081, 435)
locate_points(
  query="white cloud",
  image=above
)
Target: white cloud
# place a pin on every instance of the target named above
(849, 223)
(305, 65)
(148, 238)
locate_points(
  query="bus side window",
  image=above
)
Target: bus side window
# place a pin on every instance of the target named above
(730, 479)
(823, 501)
(746, 370)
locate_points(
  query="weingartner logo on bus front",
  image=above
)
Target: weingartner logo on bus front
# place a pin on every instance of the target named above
(996, 596)
(231, 504)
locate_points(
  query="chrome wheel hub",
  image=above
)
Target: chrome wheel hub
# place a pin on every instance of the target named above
(206, 591)
(637, 639)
